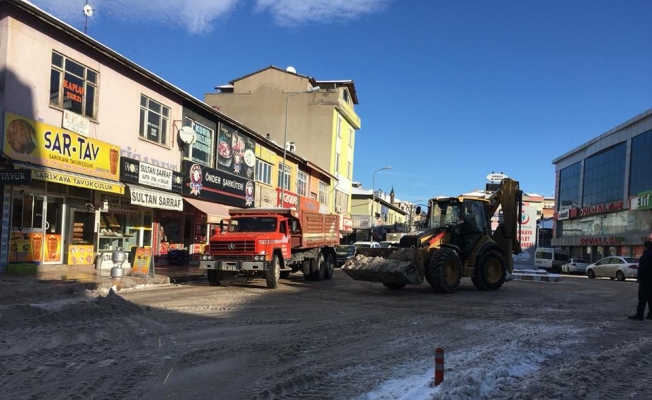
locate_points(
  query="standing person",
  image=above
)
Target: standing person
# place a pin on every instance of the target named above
(644, 279)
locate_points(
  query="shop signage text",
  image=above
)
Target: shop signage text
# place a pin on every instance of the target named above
(563, 214)
(289, 200)
(217, 186)
(644, 200)
(75, 123)
(16, 177)
(602, 241)
(72, 180)
(156, 200)
(43, 144)
(602, 208)
(134, 171)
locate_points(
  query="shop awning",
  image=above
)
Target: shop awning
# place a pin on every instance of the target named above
(154, 198)
(73, 179)
(214, 211)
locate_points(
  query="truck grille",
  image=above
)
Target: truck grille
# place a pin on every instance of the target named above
(235, 258)
(243, 246)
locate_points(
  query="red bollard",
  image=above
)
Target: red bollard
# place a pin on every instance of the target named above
(439, 366)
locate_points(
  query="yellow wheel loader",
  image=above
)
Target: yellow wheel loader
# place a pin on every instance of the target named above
(456, 241)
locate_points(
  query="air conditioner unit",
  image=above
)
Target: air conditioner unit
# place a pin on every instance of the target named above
(338, 209)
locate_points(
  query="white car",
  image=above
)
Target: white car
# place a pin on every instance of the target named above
(367, 245)
(574, 265)
(617, 267)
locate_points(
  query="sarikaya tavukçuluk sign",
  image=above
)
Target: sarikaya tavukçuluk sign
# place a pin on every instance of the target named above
(213, 185)
(155, 199)
(42, 144)
(135, 171)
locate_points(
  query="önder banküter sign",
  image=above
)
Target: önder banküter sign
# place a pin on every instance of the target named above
(42, 144)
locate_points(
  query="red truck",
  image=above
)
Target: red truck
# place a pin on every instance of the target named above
(272, 243)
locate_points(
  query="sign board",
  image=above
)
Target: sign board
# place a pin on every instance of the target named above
(75, 122)
(15, 177)
(142, 261)
(496, 177)
(217, 186)
(142, 173)
(42, 144)
(155, 199)
(289, 200)
(563, 214)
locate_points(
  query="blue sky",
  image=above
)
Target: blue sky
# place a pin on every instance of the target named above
(449, 91)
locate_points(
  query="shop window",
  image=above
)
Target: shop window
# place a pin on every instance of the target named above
(154, 118)
(118, 230)
(569, 186)
(640, 179)
(202, 150)
(263, 172)
(73, 86)
(78, 192)
(604, 176)
(302, 183)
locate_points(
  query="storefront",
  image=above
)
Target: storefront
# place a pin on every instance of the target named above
(208, 194)
(152, 213)
(53, 220)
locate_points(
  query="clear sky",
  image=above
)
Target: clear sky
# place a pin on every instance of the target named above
(449, 91)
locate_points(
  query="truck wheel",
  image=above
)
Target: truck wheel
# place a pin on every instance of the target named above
(491, 271)
(445, 269)
(273, 273)
(330, 266)
(214, 278)
(317, 270)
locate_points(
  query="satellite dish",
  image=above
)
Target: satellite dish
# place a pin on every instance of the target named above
(88, 10)
(291, 69)
(187, 135)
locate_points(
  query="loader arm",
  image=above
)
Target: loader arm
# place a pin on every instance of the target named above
(507, 235)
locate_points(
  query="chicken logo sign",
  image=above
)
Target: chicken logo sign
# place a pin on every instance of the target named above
(195, 179)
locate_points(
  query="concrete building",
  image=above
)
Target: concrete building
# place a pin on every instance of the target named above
(377, 214)
(319, 126)
(603, 190)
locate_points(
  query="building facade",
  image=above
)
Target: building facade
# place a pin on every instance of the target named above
(602, 193)
(319, 125)
(99, 154)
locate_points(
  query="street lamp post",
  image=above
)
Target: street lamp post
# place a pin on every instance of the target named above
(285, 138)
(373, 201)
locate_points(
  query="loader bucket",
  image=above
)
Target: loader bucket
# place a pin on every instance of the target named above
(394, 266)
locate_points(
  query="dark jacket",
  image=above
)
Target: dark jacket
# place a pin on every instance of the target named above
(645, 268)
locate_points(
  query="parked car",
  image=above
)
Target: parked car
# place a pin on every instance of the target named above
(574, 265)
(367, 245)
(389, 243)
(344, 253)
(619, 268)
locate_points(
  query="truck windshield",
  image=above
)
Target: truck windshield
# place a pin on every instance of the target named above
(444, 213)
(254, 224)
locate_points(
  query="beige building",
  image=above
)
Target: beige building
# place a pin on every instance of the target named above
(312, 118)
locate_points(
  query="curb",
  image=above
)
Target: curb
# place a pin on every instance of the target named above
(537, 277)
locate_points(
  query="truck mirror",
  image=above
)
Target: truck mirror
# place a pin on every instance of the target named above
(222, 226)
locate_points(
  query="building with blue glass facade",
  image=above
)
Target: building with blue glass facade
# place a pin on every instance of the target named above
(603, 190)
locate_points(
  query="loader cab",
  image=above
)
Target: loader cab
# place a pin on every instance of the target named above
(476, 224)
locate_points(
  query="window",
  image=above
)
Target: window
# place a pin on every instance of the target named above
(349, 171)
(202, 150)
(569, 186)
(345, 95)
(604, 176)
(351, 135)
(337, 162)
(339, 127)
(154, 119)
(73, 86)
(302, 183)
(323, 193)
(284, 179)
(263, 172)
(640, 179)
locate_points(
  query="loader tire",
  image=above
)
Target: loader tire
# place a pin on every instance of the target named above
(273, 274)
(330, 266)
(214, 278)
(490, 272)
(393, 286)
(445, 269)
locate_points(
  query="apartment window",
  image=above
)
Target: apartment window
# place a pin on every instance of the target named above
(73, 86)
(339, 127)
(154, 119)
(351, 135)
(284, 178)
(337, 161)
(302, 183)
(323, 193)
(345, 95)
(640, 178)
(263, 172)
(201, 151)
(349, 172)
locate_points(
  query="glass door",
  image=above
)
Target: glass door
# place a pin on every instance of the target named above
(53, 225)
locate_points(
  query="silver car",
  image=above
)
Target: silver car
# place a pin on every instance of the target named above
(616, 267)
(574, 266)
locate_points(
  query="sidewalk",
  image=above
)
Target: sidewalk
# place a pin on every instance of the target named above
(94, 279)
